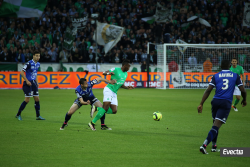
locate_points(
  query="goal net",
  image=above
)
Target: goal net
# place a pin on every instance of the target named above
(185, 66)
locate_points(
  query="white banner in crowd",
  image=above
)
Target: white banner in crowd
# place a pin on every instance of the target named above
(246, 15)
(79, 23)
(202, 21)
(108, 35)
(192, 68)
(162, 14)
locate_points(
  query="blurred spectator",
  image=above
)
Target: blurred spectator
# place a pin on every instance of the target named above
(214, 60)
(144, 56)
(247, 65)
(136, 57)
(53, 54)
(192, 60)
(99, 56)
(42, 53)
(76, 57)
(12, 54)
(64, 56)
(242, 58)
(47, 57)
(91, 58)
(202, 56)
(116, 59)
(207, 66)
(20, 57)
(152, 58)
(93, 48)
(10, 44)
(45, 40)
(158, 33)
(144, 66)
(173, 66)
(4, 56)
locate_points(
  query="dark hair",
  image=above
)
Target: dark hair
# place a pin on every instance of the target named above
(82, 80)
(234, 58)
(225, 64)
(125, 62)
(36, 52)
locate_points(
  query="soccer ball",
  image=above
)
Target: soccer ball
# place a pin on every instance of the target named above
(157, 116)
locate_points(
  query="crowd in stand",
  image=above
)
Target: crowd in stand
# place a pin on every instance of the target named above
(20, 37)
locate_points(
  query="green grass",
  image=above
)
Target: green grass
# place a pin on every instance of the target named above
(136, 139)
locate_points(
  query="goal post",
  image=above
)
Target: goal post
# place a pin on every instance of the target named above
(185, 66)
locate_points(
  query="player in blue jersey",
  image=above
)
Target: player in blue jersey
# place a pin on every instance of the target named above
(30, 85)
(85, 96)
(224, 82)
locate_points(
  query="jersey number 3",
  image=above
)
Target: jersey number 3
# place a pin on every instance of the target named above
(225, 83)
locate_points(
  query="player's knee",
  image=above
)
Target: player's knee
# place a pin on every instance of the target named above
(36, 98)
(106, 108)
(27, 100)
(69, 113)
(114, 111)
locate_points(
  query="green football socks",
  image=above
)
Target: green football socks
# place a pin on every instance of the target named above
(236, 102)
(100, 113)
(109, 111)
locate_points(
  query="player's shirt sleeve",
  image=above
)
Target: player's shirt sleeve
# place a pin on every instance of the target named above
(242, 71)
(112, 70)
(77, 93)
(212, 81)
(238, 81)
(93, 82)
(26, 66)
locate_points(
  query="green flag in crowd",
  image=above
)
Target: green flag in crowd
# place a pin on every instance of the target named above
(22, 8)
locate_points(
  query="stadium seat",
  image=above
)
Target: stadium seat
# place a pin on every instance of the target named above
(71, 69)
(49, 69)
(80, 69)
(64, 69)
(158, 70)
(134, 69)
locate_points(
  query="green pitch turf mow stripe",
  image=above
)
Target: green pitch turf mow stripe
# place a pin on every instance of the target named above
(136, 139)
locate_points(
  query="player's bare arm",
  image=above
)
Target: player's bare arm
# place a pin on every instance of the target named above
(84, 102)
(243, 79)
(24, 77)
(244, 95)
(108, 73)
(127, 87)
(105, 80)
(204, 98)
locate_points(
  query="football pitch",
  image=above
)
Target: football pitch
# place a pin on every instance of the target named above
(135, 139)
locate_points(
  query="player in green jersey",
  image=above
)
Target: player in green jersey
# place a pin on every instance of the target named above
(238, 70)
(110, 102)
